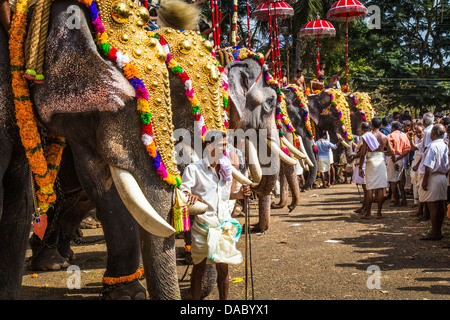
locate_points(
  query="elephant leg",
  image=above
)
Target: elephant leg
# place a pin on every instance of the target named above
(158, 255)
(16, 209)
(292, 180)
(77, 207)
(264, 214)
(119, 227)
(284, 191)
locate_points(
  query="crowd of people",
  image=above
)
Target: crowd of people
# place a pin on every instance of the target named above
(399, 156)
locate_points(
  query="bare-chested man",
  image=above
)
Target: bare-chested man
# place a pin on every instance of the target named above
(299, 79)
(333, 82)
(322, 69)
(375, 173)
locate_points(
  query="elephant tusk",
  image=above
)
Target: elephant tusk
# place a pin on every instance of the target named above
(345, 144)
(283, 156)
(238, 176)
(297, 153)
(253, 161)
(196, 208)
(302, 149)
(137, 204)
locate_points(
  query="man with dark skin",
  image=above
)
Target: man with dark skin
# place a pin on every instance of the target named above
(322, 69)
(432, 188)
(401, 146)
(299, 79)
(207, 183)
(383, 143)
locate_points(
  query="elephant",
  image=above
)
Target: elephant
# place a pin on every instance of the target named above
(252, 97)
(87, 99)
(288, 175)
(327, 118)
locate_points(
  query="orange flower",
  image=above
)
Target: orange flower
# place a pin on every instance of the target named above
(130, 71)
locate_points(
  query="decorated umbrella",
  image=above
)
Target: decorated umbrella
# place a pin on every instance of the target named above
(318, 28)
(258, 2)
(267, 12)
(347, 10)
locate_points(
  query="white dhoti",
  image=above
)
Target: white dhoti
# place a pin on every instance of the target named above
(437, 188)
(392, 174)
(414, 182)
(323, 164)
(298, 168)
(356, 177)
(375, 171)
(217, 244)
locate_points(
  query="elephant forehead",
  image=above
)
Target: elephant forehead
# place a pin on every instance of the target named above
(84, 91)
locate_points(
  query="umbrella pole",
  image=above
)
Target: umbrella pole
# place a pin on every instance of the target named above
(218, 17)
(248, 28)
(247, 225)
(278, 50)
(318, 56)
(271, 41)
(346, 47)
(213, 22)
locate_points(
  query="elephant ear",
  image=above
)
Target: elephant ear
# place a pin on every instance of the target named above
(77, 78)
(238, 84)
(317, 104)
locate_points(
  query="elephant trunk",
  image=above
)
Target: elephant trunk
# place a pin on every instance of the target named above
(312, 173)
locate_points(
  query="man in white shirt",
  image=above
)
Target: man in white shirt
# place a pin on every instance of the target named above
(428, 121)
(209, 180)
(433, 171)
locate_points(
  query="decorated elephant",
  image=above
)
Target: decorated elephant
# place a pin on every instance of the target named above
(253, 93)
(104, 118)
(103, 113)
(297, 130)
(330, 111)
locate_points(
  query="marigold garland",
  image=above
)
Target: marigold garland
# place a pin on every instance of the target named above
(299, 99)
(124, 279)
(355, 102)
(341, 116)
(44, 166)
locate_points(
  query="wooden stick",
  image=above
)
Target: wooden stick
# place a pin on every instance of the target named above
(247, 220)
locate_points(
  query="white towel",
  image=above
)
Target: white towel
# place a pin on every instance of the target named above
(371, 141)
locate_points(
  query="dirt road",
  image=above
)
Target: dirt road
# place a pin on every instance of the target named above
(320, 251)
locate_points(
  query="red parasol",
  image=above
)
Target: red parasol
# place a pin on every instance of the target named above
(318, 28)
(258, 2)
(269, 12)
(347, 10)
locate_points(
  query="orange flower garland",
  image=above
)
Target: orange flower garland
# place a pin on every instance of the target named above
(116, 280)
(44, 166)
